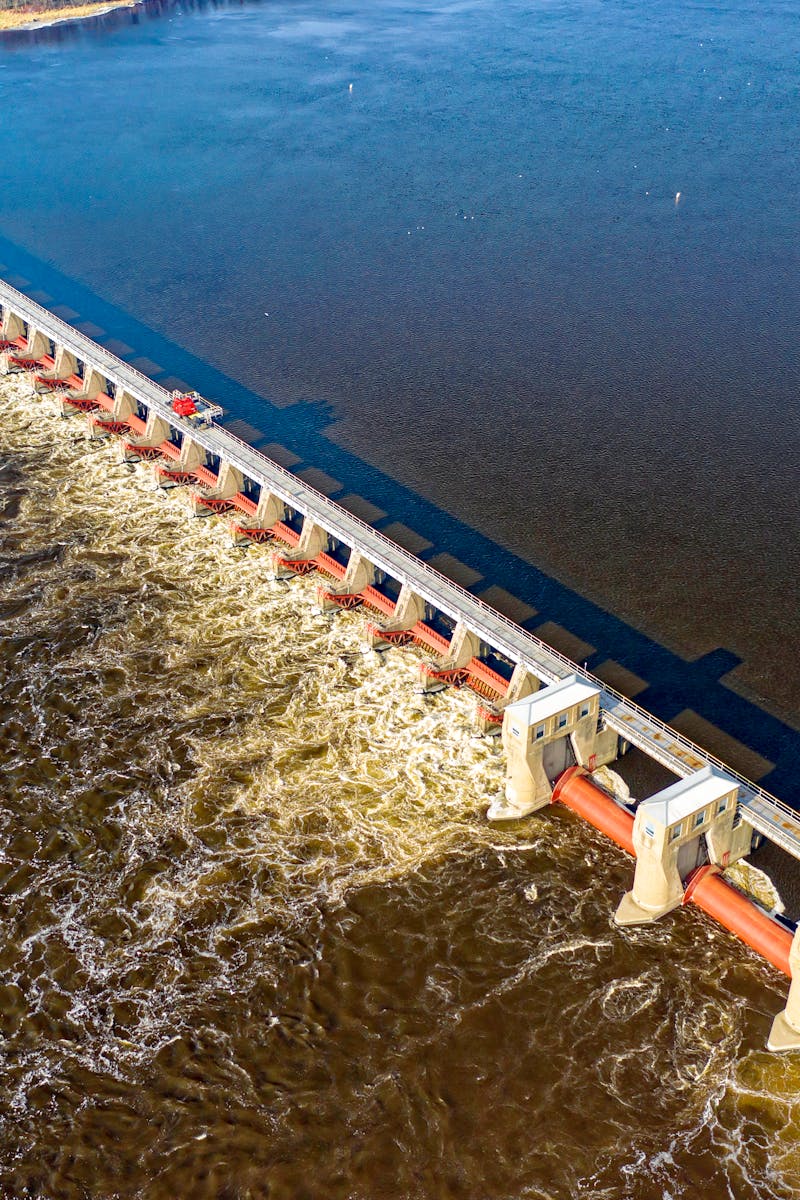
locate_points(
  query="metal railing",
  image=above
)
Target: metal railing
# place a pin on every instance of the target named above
(520, 646)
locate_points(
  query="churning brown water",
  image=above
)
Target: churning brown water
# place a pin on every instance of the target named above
(258, 940)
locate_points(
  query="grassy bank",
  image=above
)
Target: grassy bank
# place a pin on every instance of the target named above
(30, 15)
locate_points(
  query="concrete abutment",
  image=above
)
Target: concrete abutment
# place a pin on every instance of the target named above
(785, 1032)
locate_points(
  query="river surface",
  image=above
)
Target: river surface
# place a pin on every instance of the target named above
(530, 287)
(540, 263)
(259, 940)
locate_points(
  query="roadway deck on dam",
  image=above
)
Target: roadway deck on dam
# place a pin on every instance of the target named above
(768, 815)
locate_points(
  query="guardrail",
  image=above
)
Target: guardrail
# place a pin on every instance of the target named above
(518, 645)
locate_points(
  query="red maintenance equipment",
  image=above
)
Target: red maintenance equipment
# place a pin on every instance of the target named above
(184, 406)
(192, 406)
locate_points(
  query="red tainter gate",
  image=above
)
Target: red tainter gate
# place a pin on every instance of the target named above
(704, 887)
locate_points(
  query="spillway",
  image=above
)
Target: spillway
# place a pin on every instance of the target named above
(550, 712)
(251, 886)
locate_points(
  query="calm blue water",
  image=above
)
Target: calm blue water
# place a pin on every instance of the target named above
(476, 260)
(468, 289)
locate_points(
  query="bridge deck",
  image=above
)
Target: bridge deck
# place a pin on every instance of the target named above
(770, 816)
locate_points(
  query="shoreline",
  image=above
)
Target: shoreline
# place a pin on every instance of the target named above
(28, 21)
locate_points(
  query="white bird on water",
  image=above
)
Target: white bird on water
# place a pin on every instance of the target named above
(677, 198)
(350, 88)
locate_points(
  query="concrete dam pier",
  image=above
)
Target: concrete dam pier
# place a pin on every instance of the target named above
(558, 724)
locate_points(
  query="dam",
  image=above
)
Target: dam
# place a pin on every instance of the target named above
(558, 723)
